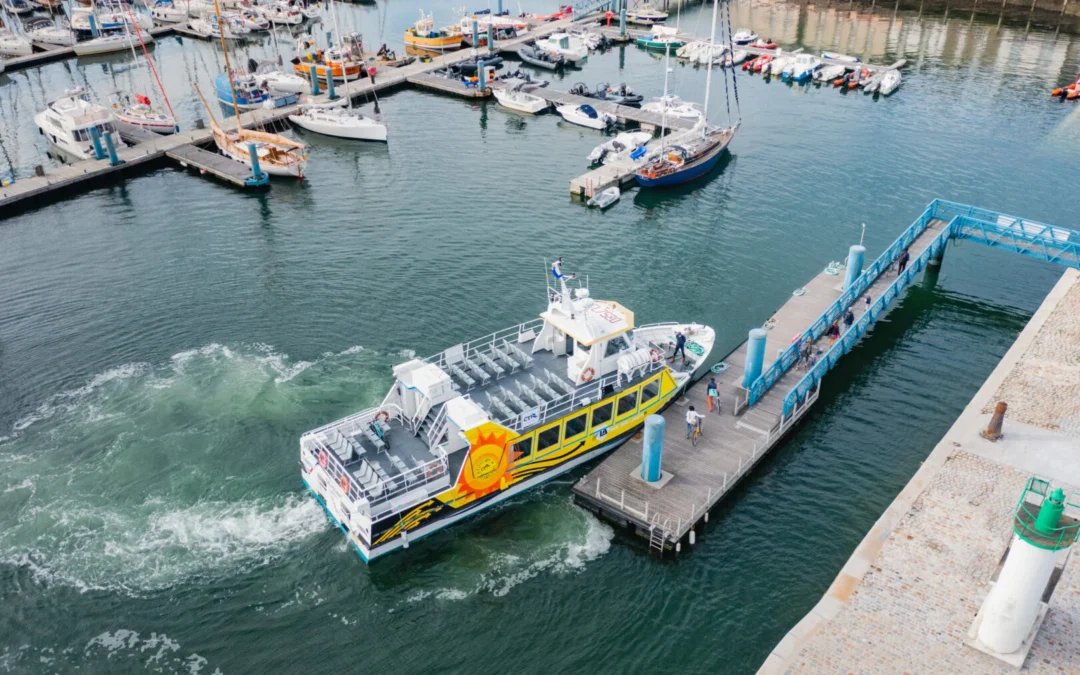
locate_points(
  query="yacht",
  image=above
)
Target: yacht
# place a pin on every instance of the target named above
(113, 42)
(482, 421)
(12, 44)
(45, 34)
(67, 123)
(571, 48)
(167, 11)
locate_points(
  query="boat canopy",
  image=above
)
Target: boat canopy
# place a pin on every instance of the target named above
(591, 321)
(589, 110)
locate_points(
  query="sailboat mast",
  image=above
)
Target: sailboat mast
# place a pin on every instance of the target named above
(664, 98)
(344, 64)
(708, 71)
(228, 68)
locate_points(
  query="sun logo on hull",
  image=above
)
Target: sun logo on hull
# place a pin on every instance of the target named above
(487, 462)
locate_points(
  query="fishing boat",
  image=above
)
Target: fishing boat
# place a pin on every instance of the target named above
(605, 198)
(424, 36)
(45, 34)
(695, 155)
(339, 61)
(12, 44)
(515, 99)
(829, 73)
(18, 6)
(565, 45)
(485, 420)
(803, 67)
(138, 111)
(744, 36)
(646, 15)
(541, 58)
(661, 37)
(622, 145)
(836, 56)
(586, 116)
(69, 123)
(890, 82)
(106, 44)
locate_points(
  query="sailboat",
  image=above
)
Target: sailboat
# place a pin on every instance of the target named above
(338, 121)
(278, 156)
(137, 110)
(694, 157)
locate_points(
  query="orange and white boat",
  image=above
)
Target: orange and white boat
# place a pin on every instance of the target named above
(1068, 92)
(340, 62)
(423, 35)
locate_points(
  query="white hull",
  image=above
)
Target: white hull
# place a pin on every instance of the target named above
(346, 127)
(15, 45)
(571, 114)
(889, 83)
(51, 38)
(521, 102)
(269, 169)
(169, 15)
(109, 44)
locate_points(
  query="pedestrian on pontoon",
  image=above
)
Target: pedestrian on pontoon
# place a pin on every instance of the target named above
(902, 261)
(849, 318)
(680, 346)
(712, 394)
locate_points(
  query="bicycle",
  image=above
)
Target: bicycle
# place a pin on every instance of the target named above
(696, 435)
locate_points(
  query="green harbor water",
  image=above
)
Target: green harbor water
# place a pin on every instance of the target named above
(165, 340)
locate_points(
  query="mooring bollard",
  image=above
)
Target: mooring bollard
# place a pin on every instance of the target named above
(755, 356)
(475, 35)
(993, 430)
(95, 136)
(855, 257)
(652, 449)
(314, 79)
(491, 38)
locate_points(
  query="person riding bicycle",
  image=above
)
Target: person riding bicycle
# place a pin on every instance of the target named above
(693, 420)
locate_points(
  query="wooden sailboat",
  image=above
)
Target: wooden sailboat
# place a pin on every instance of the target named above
(278, 156)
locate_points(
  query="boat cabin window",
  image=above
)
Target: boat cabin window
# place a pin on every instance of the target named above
(81, 135)
(547, 439)
(602, 415)
(564, 42)
(615, 345)
(521, 449)
(627, 403)
(575, 426)
(650, 391)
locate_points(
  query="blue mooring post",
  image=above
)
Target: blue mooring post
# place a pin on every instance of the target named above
(257, 176)
(93, 25)
(329, 38)
(854, 265)
(475, 35)
(480, 76)
(315, 79)
(622, 19)
(99, 153)
(111, 147)
(755, 356)
(652, 449)
(330, 84)
(491, 38)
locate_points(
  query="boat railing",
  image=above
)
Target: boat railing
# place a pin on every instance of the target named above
(486, 343)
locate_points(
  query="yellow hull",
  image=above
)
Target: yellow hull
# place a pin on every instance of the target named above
(440, 43)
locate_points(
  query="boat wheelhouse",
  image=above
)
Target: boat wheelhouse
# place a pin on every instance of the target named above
(487, 419)
(70, 123)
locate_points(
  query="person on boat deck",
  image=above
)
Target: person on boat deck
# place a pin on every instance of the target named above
(556, 270)
(680, 346)
(693, 419)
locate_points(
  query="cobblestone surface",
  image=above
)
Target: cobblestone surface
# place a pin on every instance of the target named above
(912, 610)
(1044, 388)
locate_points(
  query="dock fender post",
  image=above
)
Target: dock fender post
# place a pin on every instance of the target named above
(256, 171)
(315, 79)
(475, 35)
(500, 7)
(693, 538)
(111, 147)
(93, 27)
(329, 38)
(755, 356)
(95, 136)
(856, 255)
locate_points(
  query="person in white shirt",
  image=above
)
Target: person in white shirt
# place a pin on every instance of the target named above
(693, 419)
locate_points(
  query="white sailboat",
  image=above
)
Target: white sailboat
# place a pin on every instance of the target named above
(12, 44)
(47, 35)
(138, 111)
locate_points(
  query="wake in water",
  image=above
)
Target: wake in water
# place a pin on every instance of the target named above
(152, 475)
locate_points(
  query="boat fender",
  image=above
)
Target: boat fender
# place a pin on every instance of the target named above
(323, 459)
(654, 355)
(587, 375)
(343, 483)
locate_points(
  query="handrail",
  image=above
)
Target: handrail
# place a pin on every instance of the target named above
(1026, 237)
(489, 341)
(438, 427)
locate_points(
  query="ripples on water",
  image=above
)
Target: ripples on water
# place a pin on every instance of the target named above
(164, 341)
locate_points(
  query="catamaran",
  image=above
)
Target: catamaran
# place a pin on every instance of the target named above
(484, 420)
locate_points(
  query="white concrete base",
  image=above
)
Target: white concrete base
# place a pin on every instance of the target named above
(1017, 658)
(665, 476)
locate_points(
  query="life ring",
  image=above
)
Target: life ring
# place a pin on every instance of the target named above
(655, 356)
(323, 459)
(343, 483)
(587, 375)
(383, 415)
(432, 470)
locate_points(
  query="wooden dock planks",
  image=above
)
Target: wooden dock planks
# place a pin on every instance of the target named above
(730, 444)
(225, 168)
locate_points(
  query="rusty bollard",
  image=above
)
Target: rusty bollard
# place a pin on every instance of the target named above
(993, 430)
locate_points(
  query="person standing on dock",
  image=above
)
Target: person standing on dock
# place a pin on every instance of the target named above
(902, 261)
(680, 346)
(693, 419)
(833, 332)
(712, 394)
(849, 318)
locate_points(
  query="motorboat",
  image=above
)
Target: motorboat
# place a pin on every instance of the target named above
(586, 116)
(621, 95)
(250, 94)
(516, 99)
(605, 198)
(115, 42)
(12, 44)
(758, 64)
(646, 15)
(339, 61)
(569, 47)
(541, 58)
(278, 14)
(254, 21)
(689, 50)
(18, 6)
(277, 155)
(871, 85)
(70, 123)
(890, 81)
(622, 145)
(661, 38)
(484, 420)
(423, 35)
(167, 11)
(744, 36)
(836, 56)
(45, 34)
(673, 106)
(139, 112)
(777, 66)
(107, 17)
(339, 122)
(829, 73)
(469, 66)
(225, 27)
(519, 77)
(764, 44)
(803, 67)
(714, 54)
(270, 76)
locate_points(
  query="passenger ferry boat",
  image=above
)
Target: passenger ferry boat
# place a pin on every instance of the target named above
(484, 420)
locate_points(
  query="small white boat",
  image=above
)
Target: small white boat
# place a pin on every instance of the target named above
(229, 28)
(646, 15)
(735, 58)
(107, 21)
(803, 67)
(111, 43)
(68, 123)
(167, 11)
(836, 56)
(515, 99)
(829, 73)
(139, 112)
(621, 146)
(890, 81)
(586, 116)
(14, 45)
(279, 14)
(605, 198)
(569, 47)
(744, 36)
(254, 21)
(871, 85)
(778, 65)
(44, 34)
(18, 6)
(271, 77)
(710, 53)
(690, 49)
(339, 122)
(674, 107)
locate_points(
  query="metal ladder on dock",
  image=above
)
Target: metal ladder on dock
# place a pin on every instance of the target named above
(657, 536)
